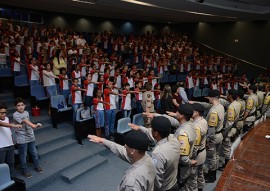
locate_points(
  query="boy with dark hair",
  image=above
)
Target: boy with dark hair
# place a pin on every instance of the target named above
(25, 137)
(6, 143)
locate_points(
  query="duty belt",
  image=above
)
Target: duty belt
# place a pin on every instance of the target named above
(199, 151)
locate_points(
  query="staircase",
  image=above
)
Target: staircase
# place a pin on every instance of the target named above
(65, 162)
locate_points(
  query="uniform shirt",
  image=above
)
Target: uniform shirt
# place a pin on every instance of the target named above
(63, 83)
(126, 103)
(16, 64)
(243, 108)
(33, 74)
(140, 176)
(189, 82)
(48, 78)
(76, 95)
(5, 135)
(232, 116)
(94, 75)
(201, 131)
(26, 133)
(138, 96)
(251, 104)
(165, 157)
(97, 105)
(89, 87)
(110, 98)
(260, 95)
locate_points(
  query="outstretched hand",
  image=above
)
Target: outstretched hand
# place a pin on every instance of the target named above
(170, 113)
(95, 139)
(133, 126)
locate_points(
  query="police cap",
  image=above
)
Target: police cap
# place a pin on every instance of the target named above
(185, 109)
(213, 93)
(161, 124)
(198, 107)
(136, 140)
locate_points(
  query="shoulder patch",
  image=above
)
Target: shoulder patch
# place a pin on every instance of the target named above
(266, 100)
(213, 119)
(198, 136)
(250, 103)
(230, 114)
(184, 145)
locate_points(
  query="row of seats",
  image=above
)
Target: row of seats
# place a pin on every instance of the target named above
(200, 93)
(174, 78)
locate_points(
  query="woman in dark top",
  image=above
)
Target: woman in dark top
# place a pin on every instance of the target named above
(166, 100)
(177, 101)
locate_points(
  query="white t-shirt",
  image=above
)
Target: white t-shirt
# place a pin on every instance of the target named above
(17, 66)
(48, 78)
(5, 135)
(34, 73)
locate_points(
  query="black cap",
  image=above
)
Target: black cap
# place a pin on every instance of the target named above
(253, 88)
(213, 93)
(161, 124)
(185, 109)
(136, 140)
(241, 93)
(233, 92)
(198, 107)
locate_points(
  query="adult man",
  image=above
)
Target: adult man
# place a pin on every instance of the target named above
(230, 129)
(215, 119)
(251, 107)
(186, 135)
(147, 103)
(166, 153)
(199, 152)
(240, 123)
(266, 101)
(141, 174)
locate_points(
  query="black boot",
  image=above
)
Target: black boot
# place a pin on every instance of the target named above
(224, 165)
(211, 176)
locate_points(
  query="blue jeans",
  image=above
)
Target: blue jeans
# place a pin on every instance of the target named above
(16, 74)
(109, 121)
(31, 147)
(126, 113)
(34, 82)
(139, 106)
(99, 118)
(7, 156)
(190, 93)
(65, 93)
(75, 107)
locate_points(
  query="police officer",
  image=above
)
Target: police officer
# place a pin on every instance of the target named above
(260, 95)
(266, 102)
(230, 130)
(186, 135)
(199, 152)
(147, 103)
(166, 153)
(215, 119)
(251, 108)
(141, 174)
(240, 124)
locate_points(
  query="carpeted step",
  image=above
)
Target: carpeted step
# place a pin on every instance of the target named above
(74, 172)
(51, 135)
(55, 147)
(54, 163)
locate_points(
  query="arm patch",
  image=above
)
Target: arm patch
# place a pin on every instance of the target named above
(213, 120)
(250, 104)
(184, 145)
(230, 114)
(198, 136)
(266, 100)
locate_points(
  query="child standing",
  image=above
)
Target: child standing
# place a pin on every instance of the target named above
(6, 143)
(99, 111)
(138, 96)
(33, 72)
(126, 103)
(89, 86)
(25, 138)
(64, 87)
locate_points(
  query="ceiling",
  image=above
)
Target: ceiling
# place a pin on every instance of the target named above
(164, 11)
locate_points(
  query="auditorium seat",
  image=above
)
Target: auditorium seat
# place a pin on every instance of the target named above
(138, 119)
(5, 181)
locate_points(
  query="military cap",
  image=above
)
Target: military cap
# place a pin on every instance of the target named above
(136, 140)
(161, 124)
(185, 109)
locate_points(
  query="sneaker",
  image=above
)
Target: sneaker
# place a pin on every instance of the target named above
(27, 174)
(39, 170)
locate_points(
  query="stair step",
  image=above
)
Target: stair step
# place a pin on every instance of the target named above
(51, 135)
(78, 170)
(56, 162)
(56, 146)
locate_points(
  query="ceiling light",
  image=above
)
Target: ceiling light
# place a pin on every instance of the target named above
(85, 1)
(171, 9)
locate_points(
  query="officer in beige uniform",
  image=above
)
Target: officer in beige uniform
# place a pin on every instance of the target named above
(147, 103)
(166, 153)
(240, 123)
(141, 174)
(199, 152)
(251, 108)
(215, 119)
(266, 102)
(229, 130)
(260, 95)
